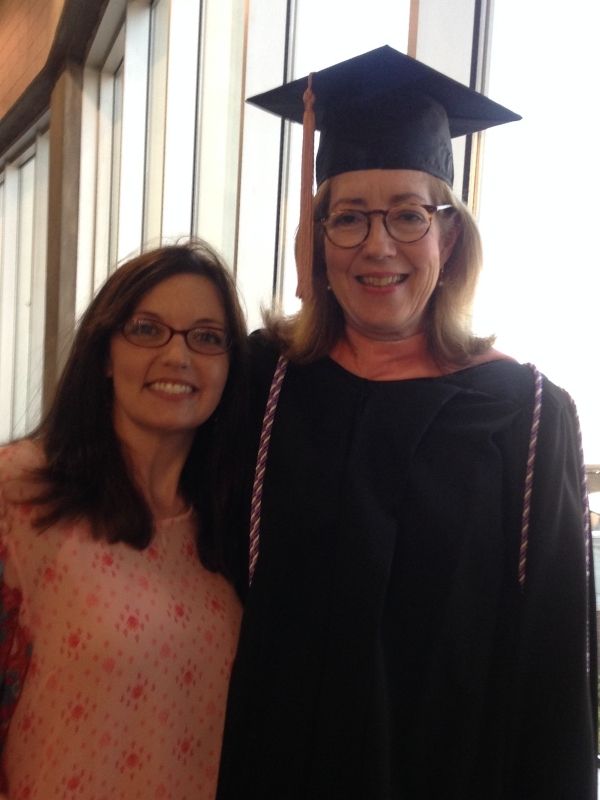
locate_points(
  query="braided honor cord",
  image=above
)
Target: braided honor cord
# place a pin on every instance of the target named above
(587, 523)
(533, 437)
(261, 461)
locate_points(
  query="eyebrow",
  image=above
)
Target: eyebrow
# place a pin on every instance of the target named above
(394, 200)
(201, 321)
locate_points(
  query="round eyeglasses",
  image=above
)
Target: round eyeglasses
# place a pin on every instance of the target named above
(406, 223)
(145, 332)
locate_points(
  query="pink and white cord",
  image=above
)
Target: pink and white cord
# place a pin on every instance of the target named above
(261, 463)
(533, 437)
(587, 526)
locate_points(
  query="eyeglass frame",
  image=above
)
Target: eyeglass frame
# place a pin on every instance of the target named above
(430, 209)
(172, 332)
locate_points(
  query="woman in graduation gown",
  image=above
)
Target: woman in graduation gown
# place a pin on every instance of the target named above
(419, 622)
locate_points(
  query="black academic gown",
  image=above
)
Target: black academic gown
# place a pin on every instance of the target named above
(388, 650)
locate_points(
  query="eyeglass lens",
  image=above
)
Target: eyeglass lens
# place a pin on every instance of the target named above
(151, 333)
(405, 223)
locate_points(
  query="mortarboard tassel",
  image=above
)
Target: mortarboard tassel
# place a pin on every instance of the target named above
(305, 229)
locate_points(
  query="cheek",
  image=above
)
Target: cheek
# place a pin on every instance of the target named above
(127, 368)
(332, 256)
(430, 260)
(337, 262)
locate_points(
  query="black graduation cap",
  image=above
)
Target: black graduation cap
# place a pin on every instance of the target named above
(385, 110)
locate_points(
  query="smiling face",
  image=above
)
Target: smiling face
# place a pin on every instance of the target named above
(169, 390)
(384, 286)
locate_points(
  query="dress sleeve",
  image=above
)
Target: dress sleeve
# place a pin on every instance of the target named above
(556, 679)
(15, 649)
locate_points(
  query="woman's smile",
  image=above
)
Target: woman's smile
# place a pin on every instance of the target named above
(382, 285)
(171, 388)
(379, 281)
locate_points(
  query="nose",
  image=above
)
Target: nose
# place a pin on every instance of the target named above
(176, 352)
(378, 244)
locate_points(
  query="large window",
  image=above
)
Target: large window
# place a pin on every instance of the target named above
(101, 158)
(160, 132)
(538, 204)
(541, 287)
(23, 229)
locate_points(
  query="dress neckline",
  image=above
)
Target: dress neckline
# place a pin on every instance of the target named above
(179, 517)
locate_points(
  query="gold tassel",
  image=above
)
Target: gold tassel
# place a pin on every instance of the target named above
(304, 248)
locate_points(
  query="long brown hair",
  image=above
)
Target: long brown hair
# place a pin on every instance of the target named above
(86, 474)
(312, 332)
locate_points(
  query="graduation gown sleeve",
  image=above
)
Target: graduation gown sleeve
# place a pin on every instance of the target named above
(555, 716)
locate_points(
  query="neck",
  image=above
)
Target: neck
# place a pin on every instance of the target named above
(157, 464)
(396, 360)
(385, 360)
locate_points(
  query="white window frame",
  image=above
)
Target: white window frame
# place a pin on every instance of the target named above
(23, 251)
(156, 126)
(98, 195)
(111, 200)
(220, 121)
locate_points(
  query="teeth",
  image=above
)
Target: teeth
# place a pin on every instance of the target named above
(388, 280)
(172, 388)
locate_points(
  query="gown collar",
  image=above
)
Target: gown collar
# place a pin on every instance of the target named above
(398, 360)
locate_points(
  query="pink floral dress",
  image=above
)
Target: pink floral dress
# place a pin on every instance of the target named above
(115, 661)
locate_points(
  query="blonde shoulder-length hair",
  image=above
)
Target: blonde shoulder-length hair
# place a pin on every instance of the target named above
(312, 332)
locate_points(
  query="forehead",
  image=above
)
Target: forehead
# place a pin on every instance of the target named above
(186, 295)
(383, 185)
